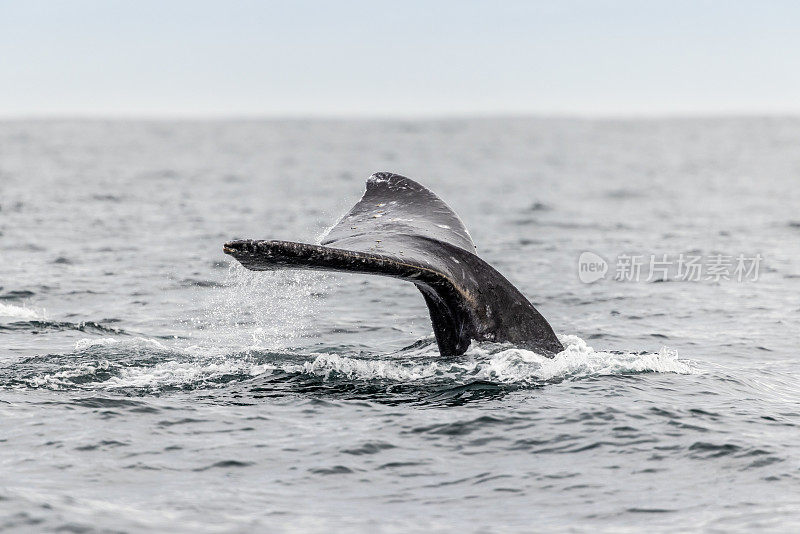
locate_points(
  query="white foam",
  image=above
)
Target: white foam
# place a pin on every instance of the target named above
(506, 365)
(131, 342)
(62, 379)
(83, 344)
(182, 368)
(175, 374)
(490, 362)
(577, 360)
(18, 312)
(328, 364)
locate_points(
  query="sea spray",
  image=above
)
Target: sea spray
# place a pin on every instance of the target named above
(9, 312)
(260, 310)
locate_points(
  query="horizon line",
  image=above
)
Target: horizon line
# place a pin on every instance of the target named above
(398, 117)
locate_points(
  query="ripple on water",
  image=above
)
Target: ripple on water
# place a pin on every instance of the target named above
(136, 364)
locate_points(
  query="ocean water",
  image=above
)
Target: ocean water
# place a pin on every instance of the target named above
(149, 383)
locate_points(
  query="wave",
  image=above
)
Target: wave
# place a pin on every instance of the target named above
(38, 324)
(134, 363)
(83, 344)
(503, 364)
(143, 365)
(18, 312)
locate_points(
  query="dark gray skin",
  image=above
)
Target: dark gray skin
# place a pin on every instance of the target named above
(401, 229)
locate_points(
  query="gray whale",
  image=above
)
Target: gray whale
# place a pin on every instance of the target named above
(401, 229)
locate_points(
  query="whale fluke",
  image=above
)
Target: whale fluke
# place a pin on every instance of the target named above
(401, 229)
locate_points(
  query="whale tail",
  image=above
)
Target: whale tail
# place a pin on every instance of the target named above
(401, 229)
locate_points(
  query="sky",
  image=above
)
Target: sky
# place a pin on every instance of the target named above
(407, 58)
